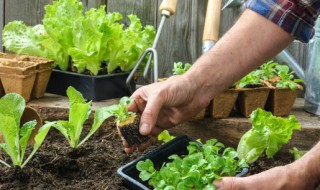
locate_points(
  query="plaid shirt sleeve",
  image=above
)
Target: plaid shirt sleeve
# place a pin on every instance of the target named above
(296, 17)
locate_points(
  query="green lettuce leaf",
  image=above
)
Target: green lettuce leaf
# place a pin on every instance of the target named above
(25, 134)
(22, 39)
(100, 116)
(39, 138)
(268, 134)
(78, 114)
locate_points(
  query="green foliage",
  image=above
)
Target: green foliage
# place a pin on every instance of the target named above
(268, 133)
(165, 136)
(268, 70)
(22, 39)
(79, 112)
(297, 154)
(90, 39)
(286, 78)
(252, 78)
(197, 170)
(120, 111)
(15, 138)
(273, 73)
(179, 68)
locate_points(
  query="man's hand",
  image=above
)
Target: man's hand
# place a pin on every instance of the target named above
(166, 104)
(301, 174)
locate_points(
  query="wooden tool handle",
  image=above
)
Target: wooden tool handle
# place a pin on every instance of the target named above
(169, 5)
(212, 22)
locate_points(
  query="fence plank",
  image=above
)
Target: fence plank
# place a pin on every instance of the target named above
(181, 38)
(146, 10)
(88, 4)
(1, 22)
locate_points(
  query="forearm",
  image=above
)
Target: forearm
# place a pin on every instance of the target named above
(309, 164)
(249, 43)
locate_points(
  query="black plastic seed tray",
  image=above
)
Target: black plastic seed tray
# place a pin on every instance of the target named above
(158, 156)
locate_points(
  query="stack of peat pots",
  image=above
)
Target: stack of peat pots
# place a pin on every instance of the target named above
(24, 75)
(279, 101)
(259, 90)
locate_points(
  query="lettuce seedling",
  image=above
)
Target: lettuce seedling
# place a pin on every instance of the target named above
(128, 122)
(165, 136)
(179, 68)
(268, 133)
(286, 78)
(79, 112)
(251, 79)
(15, 138)
(297, 154)
(268, 70)
(197, 170)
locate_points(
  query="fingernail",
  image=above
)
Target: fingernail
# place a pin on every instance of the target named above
(144, 129)
(217, 183)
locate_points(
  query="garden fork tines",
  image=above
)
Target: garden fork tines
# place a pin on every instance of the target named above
(168, 8)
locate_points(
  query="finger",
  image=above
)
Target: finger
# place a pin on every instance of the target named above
(150, 114)
(144, 146)
(226, 183)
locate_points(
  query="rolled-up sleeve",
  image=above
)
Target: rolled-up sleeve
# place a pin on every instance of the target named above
(296, 17)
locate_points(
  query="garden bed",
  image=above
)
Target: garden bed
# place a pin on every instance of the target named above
(93, 166)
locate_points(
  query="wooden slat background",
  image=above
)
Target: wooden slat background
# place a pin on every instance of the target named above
(181, 36)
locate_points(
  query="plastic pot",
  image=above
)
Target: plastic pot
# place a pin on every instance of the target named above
(281, 100)
(223, 103)
(250, 99)
(158, 156)
(18, 77)
(94, 88)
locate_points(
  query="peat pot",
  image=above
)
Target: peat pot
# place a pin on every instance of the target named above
(43, 71)
(94, 88)
(18, 77)
(252, 98)
(223, 103)
(281, 100)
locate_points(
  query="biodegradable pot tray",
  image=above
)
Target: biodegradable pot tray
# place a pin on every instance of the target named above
(94, 88)
(18, 77)
(158, 156)
(281, 100)
(43, 71)
(250, 99)
(223, 103)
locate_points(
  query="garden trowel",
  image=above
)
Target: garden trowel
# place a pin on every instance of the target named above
(211, 25)
(167, 8)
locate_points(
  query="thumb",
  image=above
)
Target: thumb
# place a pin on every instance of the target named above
(150, 114)
(227, 183)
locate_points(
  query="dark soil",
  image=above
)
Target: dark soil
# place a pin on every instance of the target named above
(131, 134)
(57, 166)
(92, 166)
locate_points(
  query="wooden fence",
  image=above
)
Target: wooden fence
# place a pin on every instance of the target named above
(181, 39)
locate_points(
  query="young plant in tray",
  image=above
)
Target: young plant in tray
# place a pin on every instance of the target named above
(79, 112)
(180, 68)
(15, 138)
(197, 170)
(286, 78)
(268, 134)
